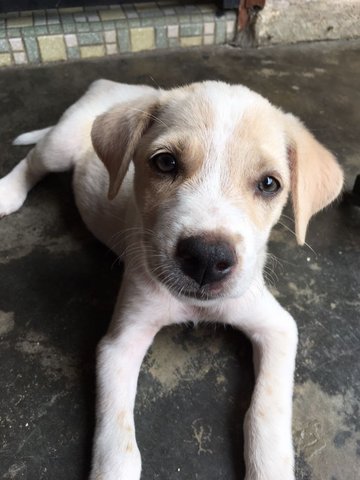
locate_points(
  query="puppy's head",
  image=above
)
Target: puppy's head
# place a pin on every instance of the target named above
(214, 164)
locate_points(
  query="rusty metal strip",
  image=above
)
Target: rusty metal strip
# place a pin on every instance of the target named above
(247, 7)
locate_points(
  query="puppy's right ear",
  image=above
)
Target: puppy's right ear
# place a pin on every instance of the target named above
(316, 176)
(116, 134)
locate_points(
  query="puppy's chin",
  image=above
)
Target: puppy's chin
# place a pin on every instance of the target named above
(200, 294)
(187, 290)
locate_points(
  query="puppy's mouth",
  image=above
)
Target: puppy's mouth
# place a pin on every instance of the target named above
(182, 286)
(196, 268)
(203, 294)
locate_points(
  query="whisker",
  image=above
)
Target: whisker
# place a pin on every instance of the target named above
(149, 115)
(154, 81)
(292, 231)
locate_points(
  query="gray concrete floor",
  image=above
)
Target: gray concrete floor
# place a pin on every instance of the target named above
(58, 287)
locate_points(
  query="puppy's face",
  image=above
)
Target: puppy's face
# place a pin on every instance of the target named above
(212, 174)
(211, 178)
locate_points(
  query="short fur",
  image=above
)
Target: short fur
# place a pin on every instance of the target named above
(226, 139)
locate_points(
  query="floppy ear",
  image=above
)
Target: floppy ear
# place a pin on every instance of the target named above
(316, 177)
(116, 134)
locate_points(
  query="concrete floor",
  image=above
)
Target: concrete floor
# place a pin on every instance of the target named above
(58, 287)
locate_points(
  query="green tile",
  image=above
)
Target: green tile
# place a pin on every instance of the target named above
(4, 46)
(190, 30)
(174, 42)
(53, 19)
(80, 18)
(147, 22)
(149, 13)
(108, 25)
(32, 49)
(130, 11)
(168, 11)
(161, 37)
(220, 32)
(28, 31)
(91, 38)
(55, 29)
(96, 27)
(123, 40)
(208, 17)
(184, 19)
(171, 20)
(83, 27)
(93, 17)
(196, 19)
(69, 28)
(66, 18)
(134, 23)
(2, 33)
(73, 52)
(13, 32)
(131, 15)
(121, 24)
(41, 30)
(159, 22)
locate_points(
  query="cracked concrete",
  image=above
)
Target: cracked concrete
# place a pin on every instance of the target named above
(58, 286)
(291, 21)
(327, 432)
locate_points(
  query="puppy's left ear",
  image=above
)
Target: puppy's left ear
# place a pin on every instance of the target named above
(116, 134)
(316, 177)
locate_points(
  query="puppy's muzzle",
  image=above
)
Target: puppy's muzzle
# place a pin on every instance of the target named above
(205, 261)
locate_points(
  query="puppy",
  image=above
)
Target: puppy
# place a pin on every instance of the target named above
(194, 178)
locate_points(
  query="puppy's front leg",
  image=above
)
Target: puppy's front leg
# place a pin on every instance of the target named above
(135, 323)
(268, 439)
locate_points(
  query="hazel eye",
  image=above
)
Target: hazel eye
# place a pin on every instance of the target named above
(268, 185)
(165, 163)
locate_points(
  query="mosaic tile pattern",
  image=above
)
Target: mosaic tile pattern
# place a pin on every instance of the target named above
(53, 35)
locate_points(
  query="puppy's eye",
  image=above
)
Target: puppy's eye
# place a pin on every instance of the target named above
(165, 163)
(268, 185)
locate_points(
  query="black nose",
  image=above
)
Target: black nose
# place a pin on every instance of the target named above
(205, 261)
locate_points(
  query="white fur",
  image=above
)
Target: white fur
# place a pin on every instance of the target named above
(144, 305)
(30, 138)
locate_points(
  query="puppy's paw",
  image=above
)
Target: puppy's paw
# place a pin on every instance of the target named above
(12, 196)
(265, 476)
(274, 470)
(123, 466)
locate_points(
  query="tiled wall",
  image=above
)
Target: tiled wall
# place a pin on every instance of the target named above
(68, 33)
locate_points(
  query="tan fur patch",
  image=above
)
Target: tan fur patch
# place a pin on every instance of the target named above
(256, 149)
(185, 136)
(121, 417)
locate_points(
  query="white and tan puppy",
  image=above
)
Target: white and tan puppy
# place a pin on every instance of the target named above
(194, 178)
